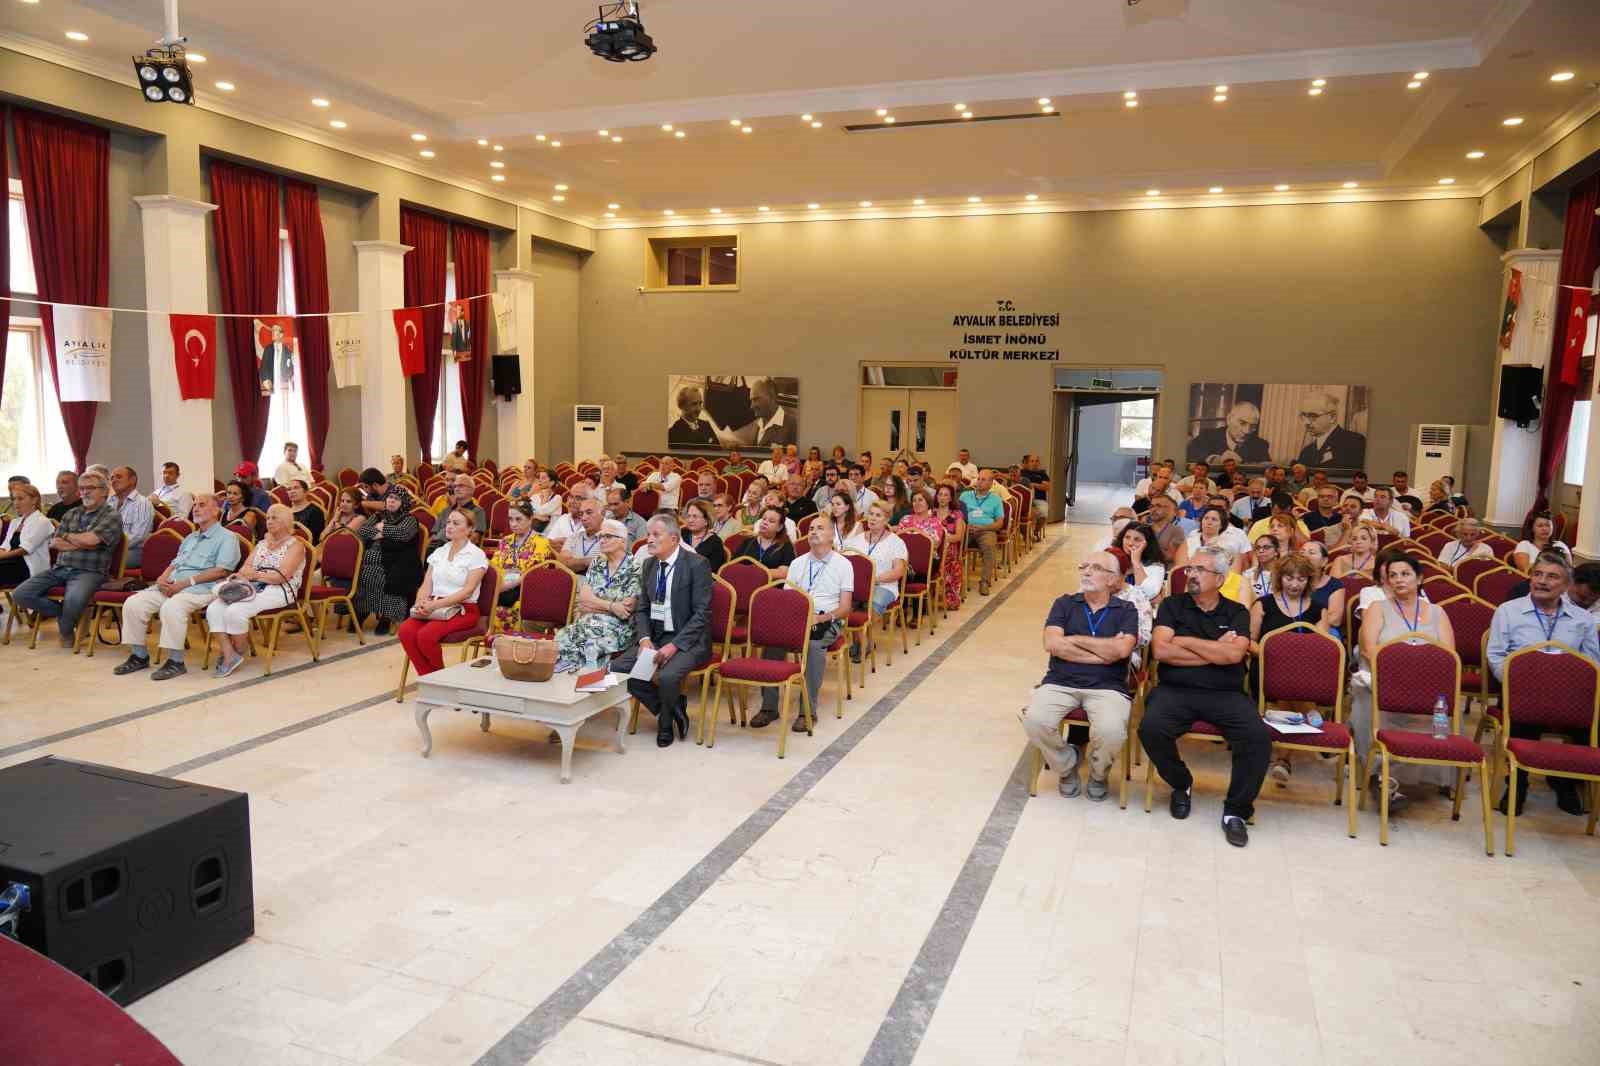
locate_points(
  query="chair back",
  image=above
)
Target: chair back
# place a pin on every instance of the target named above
(160, 548)
(745, 576)
(734, 541)
(1386, 537)
(722, 599)
(1502, 547)
(1470, 619)
(348, 477)
(1178, 582)
(242, 529)
(1560, 523)
(488, 593)
(780, 617)
(181, 526)
(1495, 585)
(803, 526)
(424, 519)
(1469, 570)
(1551, 686)
(1353, 584)
(646, 502)
(865, 577)
(160, 507)
(500, 515)
(919, 552)
(548, 593)
(340, 556)
(1434, 541)
(1299, 663)
(1409, 673)
(280, 494)
(1439, 588)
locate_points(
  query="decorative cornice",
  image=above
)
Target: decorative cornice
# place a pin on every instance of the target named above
(177, 204)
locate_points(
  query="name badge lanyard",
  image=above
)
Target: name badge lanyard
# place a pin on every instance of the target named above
(1093, 618)
(1555, 620)
(1415, 621)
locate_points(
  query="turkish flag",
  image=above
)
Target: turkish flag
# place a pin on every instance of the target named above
(194, 355)
(408, 331)
(1577, 333)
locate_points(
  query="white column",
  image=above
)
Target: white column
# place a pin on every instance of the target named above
(385, 398)
(1587, 541)
(515, 418)
(174, 231)
(1514, 461)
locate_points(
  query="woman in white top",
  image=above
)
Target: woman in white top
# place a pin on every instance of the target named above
(1543, 538)
(25, 544)
(1255, 583)
(1469, 544)
(1359, 559)
(545, 500)
(1148, 572)
(447, 602)
(274, 568)
(1215, 531)
(874, 539)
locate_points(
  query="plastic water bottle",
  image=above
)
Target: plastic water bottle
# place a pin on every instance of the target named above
(1441, 718)
(1314, 719)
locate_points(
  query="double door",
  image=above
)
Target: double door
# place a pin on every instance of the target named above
(916, 422)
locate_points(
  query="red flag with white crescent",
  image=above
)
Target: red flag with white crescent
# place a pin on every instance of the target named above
(1577, 333)
(194, 355)
(408, 331)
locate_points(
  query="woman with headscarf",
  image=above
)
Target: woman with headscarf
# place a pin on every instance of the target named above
(391, 565)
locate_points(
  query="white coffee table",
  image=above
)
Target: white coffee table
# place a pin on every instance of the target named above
(555, 703)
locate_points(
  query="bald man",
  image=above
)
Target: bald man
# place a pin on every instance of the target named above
(1236, 438)
(1327, 442)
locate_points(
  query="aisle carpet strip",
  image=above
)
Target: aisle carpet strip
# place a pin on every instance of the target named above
(546, 1021)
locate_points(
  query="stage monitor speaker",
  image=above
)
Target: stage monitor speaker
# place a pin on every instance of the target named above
(135, 879)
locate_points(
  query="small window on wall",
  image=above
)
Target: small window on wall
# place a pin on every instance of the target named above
(1136, 421)
(679, 264)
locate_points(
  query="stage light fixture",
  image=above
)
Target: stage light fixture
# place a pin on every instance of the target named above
(164, 76)
(618, 34)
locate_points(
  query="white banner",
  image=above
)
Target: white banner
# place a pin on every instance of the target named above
(347, 345)
(83, 354)
(505, 322)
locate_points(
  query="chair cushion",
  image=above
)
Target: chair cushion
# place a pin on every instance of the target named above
(461, 636)
(1409, 745)
(1472, 680)
(327, 592)
(112, 597)
(916, 588)
(56, 592)
(840, 644)
(1334, 736)
(769, 671)
(1552, 755)
(1204, 729)
(716, 657)
(740, 634)
(857, 619)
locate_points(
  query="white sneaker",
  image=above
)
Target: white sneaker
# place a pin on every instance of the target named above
(1068, 785)
(1279, 771)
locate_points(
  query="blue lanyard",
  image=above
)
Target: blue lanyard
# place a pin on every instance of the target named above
(1413, 622)
(1093, 618)
(661, 582)
(811, 574)
(1555, 620)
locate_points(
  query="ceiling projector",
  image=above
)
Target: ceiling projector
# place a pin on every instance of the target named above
(618, 35)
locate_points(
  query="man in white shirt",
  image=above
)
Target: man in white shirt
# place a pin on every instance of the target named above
(969, 469)
(873, 538)
(668, 482)
(1199, 472)
(581, 547)
(1254, 505)
(1360, 488)
(608, 477)
(775, 469)
(825, 576)
(138, 517)
(1143, 487)
(563, 526)
(863, 496)
(1469, 544)
(290, 470)
(1385, 513)
(169, 492)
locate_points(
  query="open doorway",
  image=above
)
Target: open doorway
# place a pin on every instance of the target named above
(1108, 423)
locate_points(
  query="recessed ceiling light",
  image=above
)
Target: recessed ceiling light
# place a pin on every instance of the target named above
(919, 201)
(1413, 85)
(716, 210)
(225, 86)
(959, 107)
(747, 129)
(1152, 192)
(1280, 188)
(74, 35)
(763, 207)
(1047, 110)
(195, 57)
(1215, 188)
(666, 127)
(816, 125)
(1421, 75)
(497, 177)
(493, 163)
(735, 122)
(866, 203)
(1475, 154)
(1044, 101)
(611, 214)
(668, 211)
(1220, 98)
(612, 207)
(974, 199)
(1031, 196)
(806, 117)
(882, 111)
(561, 188)
(482, 143)
(538, 136)
(1351, 184)
(966, 114)
(419, 137)
(1447, 181)
(1513, 121)
(558, 198)
(812, 207)
(1319, 83)
(616, 138)
(499, 147)
(1313, 92)
(679, 134)
(889, 119)
(319, 101)
(1220, 89)
(1130, 95)
(604, 133)
(338, 123)
(1565, 75)
(555, 144)
(1130, 103)
(426, 153)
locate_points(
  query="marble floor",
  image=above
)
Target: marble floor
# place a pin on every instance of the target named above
(887, 894)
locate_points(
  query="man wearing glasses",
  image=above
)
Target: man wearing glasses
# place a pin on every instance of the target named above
(1202, 641)
(1089, 636)
(1327, 442)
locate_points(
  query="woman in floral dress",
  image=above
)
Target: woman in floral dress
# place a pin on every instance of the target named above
(947, 509)
(603, 616)
(517, 554)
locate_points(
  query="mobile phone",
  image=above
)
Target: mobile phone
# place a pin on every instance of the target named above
(480, 663)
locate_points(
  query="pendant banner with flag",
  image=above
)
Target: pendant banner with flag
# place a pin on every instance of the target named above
(505, 321)
(194, 355)
(408, 332)
(347, 344)
(83, 354)
(1508, 318)
(458, 324)
(1577, 331)
(275, 353)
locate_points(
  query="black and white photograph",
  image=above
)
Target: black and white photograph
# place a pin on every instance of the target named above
(708, 412)
(1322, 426)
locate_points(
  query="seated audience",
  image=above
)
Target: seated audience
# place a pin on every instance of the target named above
(1326, 512)
(186, 587)
(842, 510)
(1383, 512)
(1089, 636)
(1363, 543)
(1199, 474)
(749, 510)
(698, 533)
(770, 546)
(25, 542)
(947, 510)
(397, 466)
(276, 566)
(171, 493)
(1256, 580)
(917, 482)
(348, 513)
(391, 563)
(519, 552)
(307, 512)
(374, 489)
(1214, 529)
(1585, 589)
(1456, 499)
(608, 477)
(894, 497)
(776, 467)
(725, 515)
(619, 505)
(1282, 504)
(255, 495)
(830, 481)
(1290, 602)
(705, 485)
(825, 576)
(546, 501)
(138, 517)
(624, 475)
(1170, 536)
(457, 461)
(578, 548)
(668, 482)
(236, 508)
(526, 483)
(447, 602)
(1034, 474)
(963, 463)
(1196, 500)
(1470, 543)
(862, 495)
(796, 503)
(1543, 614)
(1438, 499)
(602, 616)
(66, 495)
(671, 623)
(874, 539)
(1359, 487)
(1326, 593)
(986, 513)
(1542, 537)
(1287, 532)
(1255, 505)
(84, 541)
(1120, 519)
(1159, 485)
(462, 489)
(737, 464)
(1297, 480)
(1202, 641)
(1277, 480)
(1147, 565)
(290, 469)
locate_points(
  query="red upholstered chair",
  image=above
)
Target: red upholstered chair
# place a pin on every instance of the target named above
(160, 548)
(803, 526)
(1408, 674)
(242, 529)
(1353, 584)
(1299, 664)
(1434, 541)
(468, 639)
(1079, 719)
(1501, 546)
(859, 622)
(734, 541)
(424, 517)
(181, 526)
(1202, 731)
(919, 579)
(424, 471)
(1386, 538)
(1178, 582)
(721, 621)
(546, 598)
(1469, 570)
(280, 494)
(646, 502)
(1560, 693)
(1439, 588)
(745, 576)
(500, 516)
(269, 624)
(339, 559)
(1469, 621)
(348, 477)
(57, 593)
(1494, 586)
(780, 617)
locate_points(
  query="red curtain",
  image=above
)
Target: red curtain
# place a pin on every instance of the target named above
(1580, 257)
(245, 225)
(427, 235)
(64, 166)
(472, 279)
(5, 248)
(310, 255)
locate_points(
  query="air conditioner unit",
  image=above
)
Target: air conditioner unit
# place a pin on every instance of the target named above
(588, 433)
(1439, 450)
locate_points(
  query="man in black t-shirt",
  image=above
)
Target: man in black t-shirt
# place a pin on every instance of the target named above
(1202, 641)
(1089, 636)
(1326, 512)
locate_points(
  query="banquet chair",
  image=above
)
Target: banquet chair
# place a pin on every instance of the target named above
(721, 621)
(1495, 586)
(1551, 686)
(160, 548)
(1299, 664)
(858, 624)
(339, 559)
(468, 639)
(1469, 570)
(780, 617)
(1077, 718)
(58, 592)
(919, 584)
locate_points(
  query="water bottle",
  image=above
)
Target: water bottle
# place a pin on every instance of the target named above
(1441, 718)
(1314, 719)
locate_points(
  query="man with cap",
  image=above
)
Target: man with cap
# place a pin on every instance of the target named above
(247, 473)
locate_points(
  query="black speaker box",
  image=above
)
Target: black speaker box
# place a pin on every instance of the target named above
(135, 879)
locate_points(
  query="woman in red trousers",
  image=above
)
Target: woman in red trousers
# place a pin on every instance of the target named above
(448, 599)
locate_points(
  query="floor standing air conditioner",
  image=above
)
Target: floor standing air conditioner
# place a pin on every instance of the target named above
(1440, 450)
(588, 433)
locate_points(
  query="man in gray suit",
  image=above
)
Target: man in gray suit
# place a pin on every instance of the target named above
(672, 620)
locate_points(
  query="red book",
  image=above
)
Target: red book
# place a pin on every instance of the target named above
(593, 678)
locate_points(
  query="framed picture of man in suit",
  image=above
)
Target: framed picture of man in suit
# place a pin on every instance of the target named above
(276, 354)
(713, 413)
(458, 324)
(1322, 426)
